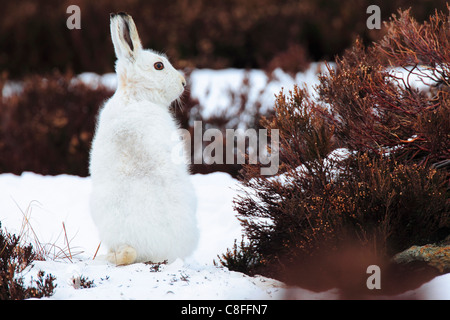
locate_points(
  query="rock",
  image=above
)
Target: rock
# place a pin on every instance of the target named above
(435, 255)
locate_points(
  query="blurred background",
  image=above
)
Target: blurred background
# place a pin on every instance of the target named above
(47, 120)
(194, 33)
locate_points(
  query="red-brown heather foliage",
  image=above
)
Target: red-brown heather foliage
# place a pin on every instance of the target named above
(48, 126)
(14, 258)
(374, 109)
(389, 191)
(194, 33)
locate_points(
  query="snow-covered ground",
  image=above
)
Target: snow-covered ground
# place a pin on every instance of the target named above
(52, 212)
(48, 202)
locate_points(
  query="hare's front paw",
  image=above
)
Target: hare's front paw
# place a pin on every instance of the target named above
(122, 256)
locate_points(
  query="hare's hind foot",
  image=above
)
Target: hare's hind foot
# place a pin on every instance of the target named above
(122, 256)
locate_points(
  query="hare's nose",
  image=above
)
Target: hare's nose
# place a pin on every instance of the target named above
(183, 81)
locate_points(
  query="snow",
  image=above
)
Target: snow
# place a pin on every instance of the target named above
(50, 201)
(52, 213)
(213, 87)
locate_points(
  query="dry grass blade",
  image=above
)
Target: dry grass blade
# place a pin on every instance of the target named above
(96, 251)
(67, 241)
(42, 250)
(26, 227)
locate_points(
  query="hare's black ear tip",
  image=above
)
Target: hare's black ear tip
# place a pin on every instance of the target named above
(122, 14)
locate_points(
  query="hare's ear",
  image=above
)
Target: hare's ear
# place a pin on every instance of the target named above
(124, 36)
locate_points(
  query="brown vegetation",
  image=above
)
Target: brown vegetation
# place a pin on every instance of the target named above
(388, 192)
(194, 33)
(14, 258)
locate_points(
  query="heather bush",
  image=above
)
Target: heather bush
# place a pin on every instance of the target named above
(14, 258)
(293, 60)
(242, 258)
(375, 109)
(364, 169)
(323, 199)
(47, 127)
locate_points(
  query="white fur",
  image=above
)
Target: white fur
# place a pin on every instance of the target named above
(142, 203)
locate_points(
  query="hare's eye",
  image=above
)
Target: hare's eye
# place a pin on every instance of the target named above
(159, 66)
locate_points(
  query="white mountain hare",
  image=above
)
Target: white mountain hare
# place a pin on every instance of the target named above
(142, 203)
